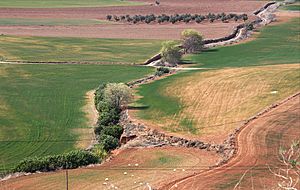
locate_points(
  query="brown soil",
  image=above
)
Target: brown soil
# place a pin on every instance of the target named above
(155, 166)
(140, 31)
(258, 145)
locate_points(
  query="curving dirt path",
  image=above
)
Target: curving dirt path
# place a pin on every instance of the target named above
(258, 145)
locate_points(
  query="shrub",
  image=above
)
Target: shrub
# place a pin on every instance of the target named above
(162, 70)
(110, 117)
(191, 41)
(68, 160)
(109, 17)
(108, 142)
(170, 52)
(113, 130)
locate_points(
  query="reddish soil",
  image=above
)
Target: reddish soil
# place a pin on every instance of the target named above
(141, 31)
(148, 165)
(258, 144)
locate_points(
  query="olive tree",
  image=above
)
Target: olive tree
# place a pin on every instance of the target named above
(170, 52)
(192, 41)
(117, 94)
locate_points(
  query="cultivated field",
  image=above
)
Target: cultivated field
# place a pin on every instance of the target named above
(151, 165)
(140, 31)
(213, 103)
(187, 99)
(65, 3)
(48, 108)
(41, 106)
(259, 145)
(48, 49)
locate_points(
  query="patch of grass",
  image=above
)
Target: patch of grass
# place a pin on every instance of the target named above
(41, 105)
(58, 49)
(65, 3)
(292, 7)
(276, 44)
(48, 22)
(164, 159)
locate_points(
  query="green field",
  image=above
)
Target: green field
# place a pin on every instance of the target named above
(48, 22)
(292, 7)
(41, 105)
(57, 49)
(277, 44)
(64, 3)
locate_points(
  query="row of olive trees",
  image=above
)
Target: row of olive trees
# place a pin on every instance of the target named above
(110, 99)
(186, 18)
(191, 42)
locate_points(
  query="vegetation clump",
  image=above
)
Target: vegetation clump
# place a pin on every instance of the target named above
(161, 71)
(170, 52)
(110, 98)
(177, 18)
(70, 160)
(192, 41)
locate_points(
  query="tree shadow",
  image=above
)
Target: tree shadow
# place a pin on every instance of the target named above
(139, 107)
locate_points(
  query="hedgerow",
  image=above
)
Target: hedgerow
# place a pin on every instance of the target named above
(70, 160)
(177, 18)
(108, 101)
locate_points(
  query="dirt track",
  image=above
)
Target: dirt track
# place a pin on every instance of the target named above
(258, 146)
(140, 31)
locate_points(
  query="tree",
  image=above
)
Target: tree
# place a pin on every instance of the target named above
(170, 52)
(192, 41)
(117, 95)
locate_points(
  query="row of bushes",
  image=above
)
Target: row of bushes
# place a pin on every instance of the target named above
(211, 17)
(70, 160)
(109, 99)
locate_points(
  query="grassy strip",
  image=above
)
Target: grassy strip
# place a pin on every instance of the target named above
(58, 49)
(65, 3)
(48, 22)
(276, 44)
(41, 106)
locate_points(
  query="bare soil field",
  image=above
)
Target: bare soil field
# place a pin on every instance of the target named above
(152, 166)
(141, 31)
(258, 144)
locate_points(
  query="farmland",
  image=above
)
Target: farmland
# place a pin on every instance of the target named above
(217, 121)
(152, 165)
(214, 103)
(111, 30)
(259, 149)
(48, 49)
(190, 113)
(64, 3)
(54, 94)
(48, 22)
(276, 44)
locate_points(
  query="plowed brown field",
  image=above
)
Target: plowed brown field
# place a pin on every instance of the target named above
(258, 146)
(153, 166)
(141, 31)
